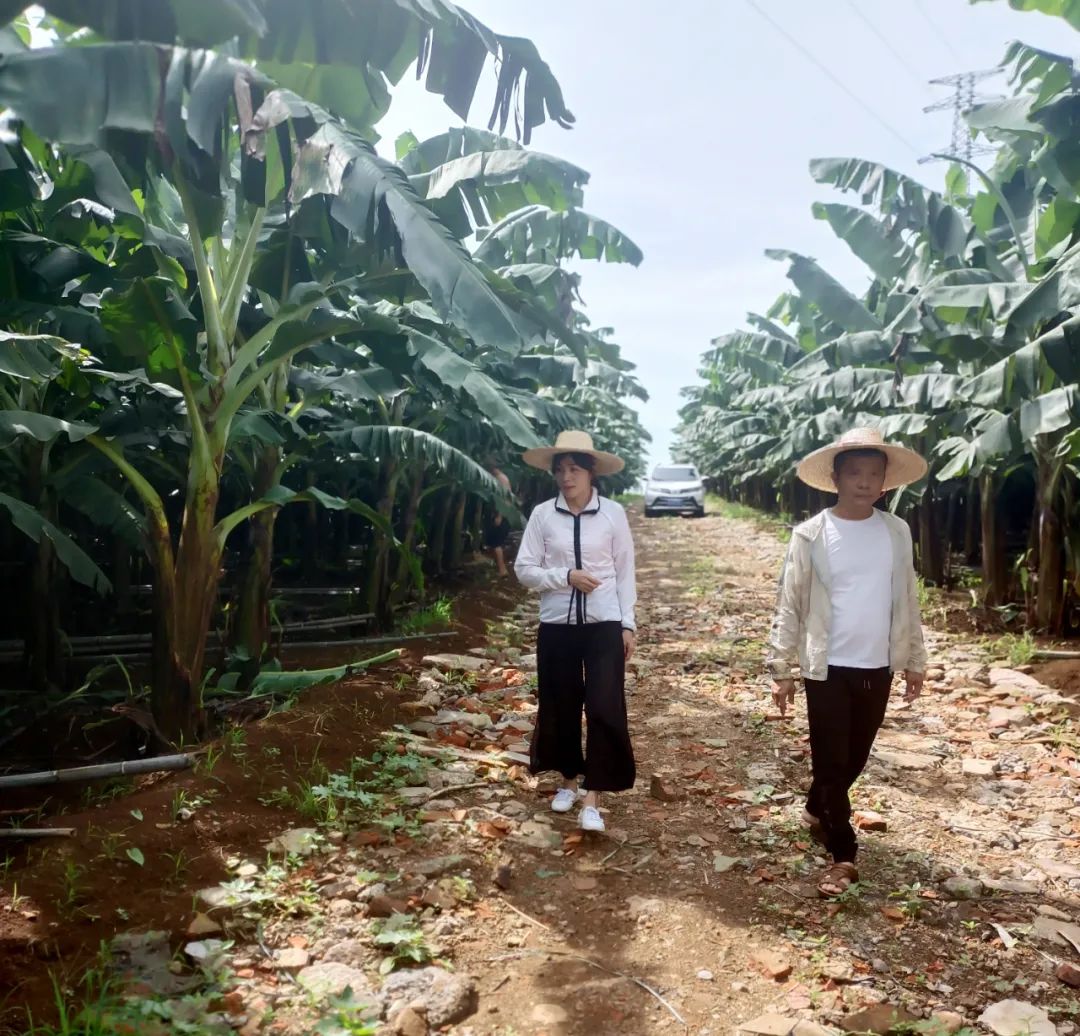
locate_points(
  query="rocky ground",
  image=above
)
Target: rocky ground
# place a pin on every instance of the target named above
(439, 893)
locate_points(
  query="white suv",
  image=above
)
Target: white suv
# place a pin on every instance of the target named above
(674, 489)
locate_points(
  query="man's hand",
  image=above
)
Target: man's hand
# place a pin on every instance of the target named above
(783, 694)
(914, 682)
(629, 642)
(581, 580)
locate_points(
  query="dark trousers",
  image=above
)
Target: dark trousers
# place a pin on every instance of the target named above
(582, 665)
(845, 710)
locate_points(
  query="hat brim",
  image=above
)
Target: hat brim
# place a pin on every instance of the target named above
(542, 456)
(903, 466)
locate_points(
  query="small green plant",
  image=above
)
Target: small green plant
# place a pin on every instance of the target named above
(98, 795)
(70, 888)
(403, 941)
(909, 899)
(1022, 649)
(344, 1017)
(757, 723)
(184, 804)
(210, 760)
(279, 798)
(851, 896)
(179, 865)
(464, 888)
(437, 615)
(16, 900)
(234, 745)
(393, 769)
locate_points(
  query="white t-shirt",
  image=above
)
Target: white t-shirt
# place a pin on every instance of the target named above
(860, 563)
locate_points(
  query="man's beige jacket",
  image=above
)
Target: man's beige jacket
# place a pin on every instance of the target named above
(800, 630)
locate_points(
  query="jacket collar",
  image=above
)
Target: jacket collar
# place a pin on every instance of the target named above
(812, 528)
(592, 508)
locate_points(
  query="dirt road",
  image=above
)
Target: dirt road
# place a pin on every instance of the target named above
(707, 900)
(694, 915)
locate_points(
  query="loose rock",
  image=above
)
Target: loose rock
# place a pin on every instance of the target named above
(881, 1020)
(331, 979)
(959, 887)
(662, 790)
(447, 998)
(770, 1025)
(1017, 1018)
(1068, 973)
(772, 965)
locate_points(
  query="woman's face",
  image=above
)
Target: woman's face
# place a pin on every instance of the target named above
(571, 479)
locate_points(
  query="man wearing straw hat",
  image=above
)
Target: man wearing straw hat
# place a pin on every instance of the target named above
(578, 553)
(848, 616)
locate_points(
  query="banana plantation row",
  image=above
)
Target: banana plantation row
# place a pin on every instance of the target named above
(240, 345)
(966, 345)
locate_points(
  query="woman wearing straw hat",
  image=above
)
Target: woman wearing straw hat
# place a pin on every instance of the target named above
(578, 553)
(848, 615)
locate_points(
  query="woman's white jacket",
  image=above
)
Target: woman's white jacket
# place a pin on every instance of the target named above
(597, 540)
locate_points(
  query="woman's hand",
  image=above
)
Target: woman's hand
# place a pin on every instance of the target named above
(629, 642)
(581, 580)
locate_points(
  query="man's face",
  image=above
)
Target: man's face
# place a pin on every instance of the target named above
(859, 481)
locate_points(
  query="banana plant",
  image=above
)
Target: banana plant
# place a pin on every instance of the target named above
(225, 159)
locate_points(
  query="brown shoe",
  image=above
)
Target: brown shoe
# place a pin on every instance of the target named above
(836, 880)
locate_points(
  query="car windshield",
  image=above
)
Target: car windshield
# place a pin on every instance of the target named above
(675, 475)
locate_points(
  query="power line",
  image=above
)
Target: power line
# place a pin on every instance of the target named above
(886, 43)
(937, 31)
(827, 72)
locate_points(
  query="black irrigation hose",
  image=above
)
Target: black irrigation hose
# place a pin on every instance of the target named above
(138, 656)
(121, 640)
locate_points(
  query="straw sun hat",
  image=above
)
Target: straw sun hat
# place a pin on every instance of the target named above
(904, 466)
(573, 442)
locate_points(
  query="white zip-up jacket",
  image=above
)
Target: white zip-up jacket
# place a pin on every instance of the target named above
(597, 540)
(803, 620)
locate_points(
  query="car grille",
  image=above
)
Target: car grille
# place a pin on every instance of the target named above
(673, 501)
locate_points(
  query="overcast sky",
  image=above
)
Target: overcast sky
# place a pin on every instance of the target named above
(697, 119)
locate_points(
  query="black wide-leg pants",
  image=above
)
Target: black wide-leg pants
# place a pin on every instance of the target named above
(845, 711)
(583, 665)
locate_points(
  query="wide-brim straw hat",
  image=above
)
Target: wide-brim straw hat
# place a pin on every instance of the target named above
(573, 442)
(903, 466)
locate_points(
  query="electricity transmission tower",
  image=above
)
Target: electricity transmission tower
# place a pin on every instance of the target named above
(963, 99)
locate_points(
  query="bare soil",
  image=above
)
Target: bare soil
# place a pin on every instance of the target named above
(698, 914)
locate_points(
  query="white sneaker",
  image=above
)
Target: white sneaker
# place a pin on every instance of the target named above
(565, 799)
(591, 819)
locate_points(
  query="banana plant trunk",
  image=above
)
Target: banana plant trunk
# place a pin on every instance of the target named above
(1050, 578)
(931, 551)
(378, 597)
(310, 537)
(436, 544)
(408, 539)
(251, 632)
(994, 560)
(44, 648)
(971, 522)
(455, 547)
(121, 576)
(185, 599)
